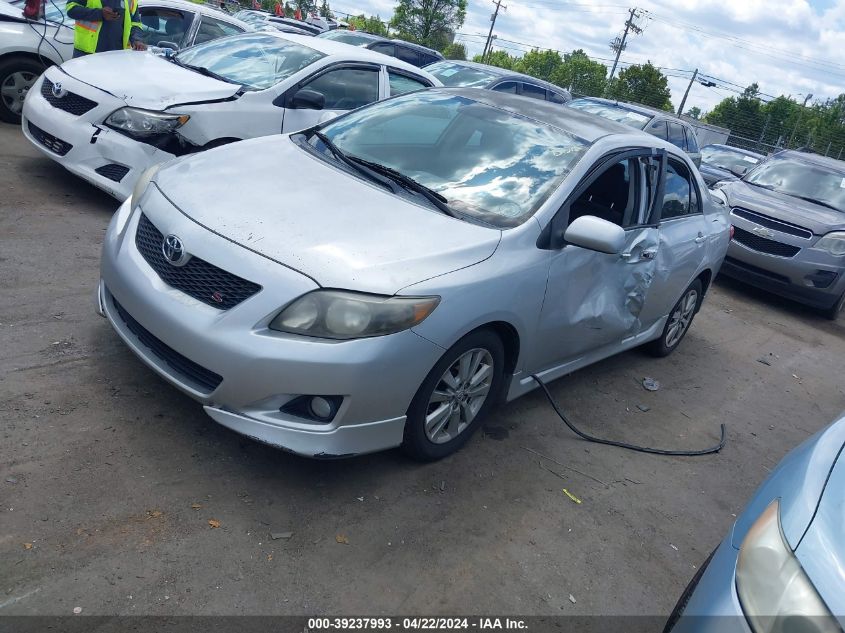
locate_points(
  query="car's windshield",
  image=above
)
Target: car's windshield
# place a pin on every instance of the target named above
(489, 164)
(612, 111)
(802, 180)
(726, 158)
(53, 11)
(347, 37)
(256, 60)
(452, 74)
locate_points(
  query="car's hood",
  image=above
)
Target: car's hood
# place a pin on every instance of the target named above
(818, 219)
(145, 80)
(798, 481)
(272, 196)
(822, 550)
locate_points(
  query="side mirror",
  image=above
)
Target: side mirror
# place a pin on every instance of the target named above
(739, 170)
(171, 45)
(307, 99)
(595, 234)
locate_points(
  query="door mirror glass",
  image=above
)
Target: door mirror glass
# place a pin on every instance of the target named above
(307, 99)
(595, 234)
(171, 45)
(739, 171)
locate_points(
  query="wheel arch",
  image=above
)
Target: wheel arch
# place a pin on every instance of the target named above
(509, 336)
(35, 57)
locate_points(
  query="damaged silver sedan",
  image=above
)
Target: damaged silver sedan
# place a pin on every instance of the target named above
(391, 276)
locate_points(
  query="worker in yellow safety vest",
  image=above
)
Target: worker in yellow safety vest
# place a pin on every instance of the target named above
(105, 25)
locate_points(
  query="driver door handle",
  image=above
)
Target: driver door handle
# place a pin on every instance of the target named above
(701, 237)
(649, 254)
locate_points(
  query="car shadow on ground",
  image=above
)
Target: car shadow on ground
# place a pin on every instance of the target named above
(39, 170)
(775, 304)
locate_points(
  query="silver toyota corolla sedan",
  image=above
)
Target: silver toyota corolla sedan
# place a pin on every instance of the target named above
(387, 278)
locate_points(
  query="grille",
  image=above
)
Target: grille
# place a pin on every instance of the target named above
(69, 102)
(55, 145)
(771, 223)
(763, 244)
(199, 279)
(184, 366)
(113, 171)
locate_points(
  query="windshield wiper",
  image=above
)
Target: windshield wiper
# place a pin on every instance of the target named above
(346, 160)
(202, 70)
(438, 200)
(757, 184)
(817, 201)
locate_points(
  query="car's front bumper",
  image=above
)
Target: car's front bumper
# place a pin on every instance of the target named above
(93, 146)
(713, 605)
(260, 369)
(796, 277)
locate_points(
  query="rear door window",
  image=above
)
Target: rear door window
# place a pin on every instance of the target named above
(401, 83)
(658, 129)
(679, 195)
(535, 92)
(556, 97)
(506, 86)
(676, 135)
(692, 141)
(408, 55)
(384, 48)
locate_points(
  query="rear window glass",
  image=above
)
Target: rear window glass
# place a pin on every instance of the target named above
(612, 111)
(452, 74)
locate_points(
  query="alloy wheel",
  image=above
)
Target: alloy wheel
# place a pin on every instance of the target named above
(459, 395)
(681, 317)
(14, 89)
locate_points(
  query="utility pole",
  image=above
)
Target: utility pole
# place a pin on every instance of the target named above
(618, 44)
(798, 120)
(686, 94)
(488, 44)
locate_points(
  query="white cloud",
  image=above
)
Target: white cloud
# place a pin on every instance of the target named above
(786, 46)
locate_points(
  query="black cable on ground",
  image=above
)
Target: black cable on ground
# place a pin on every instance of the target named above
(641, 449)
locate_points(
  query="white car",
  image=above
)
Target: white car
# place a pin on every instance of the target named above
(28, 47)
(111, 116)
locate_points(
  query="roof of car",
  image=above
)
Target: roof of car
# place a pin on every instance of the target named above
(636, 107)
(380, 38)
(418, 47)
(813, 159)
(582, 124)
(504, 73)
(738, 150)
(348, 51)
(205, 9)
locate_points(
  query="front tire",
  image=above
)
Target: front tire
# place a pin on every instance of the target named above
(455, 397)
(679, 321)
(17, 75)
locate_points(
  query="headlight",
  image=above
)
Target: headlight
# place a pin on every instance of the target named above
(346, 315)
(833, 243)
(142, 184)
(143, 123)
(774, 591)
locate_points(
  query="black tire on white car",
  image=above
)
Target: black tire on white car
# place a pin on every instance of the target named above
(17, 75)
(455, 397)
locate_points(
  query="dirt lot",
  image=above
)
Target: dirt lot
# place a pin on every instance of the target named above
(109, 477)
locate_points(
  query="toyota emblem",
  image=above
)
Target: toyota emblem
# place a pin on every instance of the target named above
(174, 251)
(58, 91)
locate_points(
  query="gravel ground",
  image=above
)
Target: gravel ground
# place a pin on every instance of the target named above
(110, 479)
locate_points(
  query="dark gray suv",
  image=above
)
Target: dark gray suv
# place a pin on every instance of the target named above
(788, 215)
(661, 124)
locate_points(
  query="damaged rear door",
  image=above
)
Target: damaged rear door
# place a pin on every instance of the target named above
(594, 300)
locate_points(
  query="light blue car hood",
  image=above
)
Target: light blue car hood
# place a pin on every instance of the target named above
(822, 550)
(799, 481)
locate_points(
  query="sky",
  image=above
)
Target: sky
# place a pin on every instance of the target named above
(789, 47)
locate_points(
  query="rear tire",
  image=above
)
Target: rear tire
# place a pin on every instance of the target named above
(679, 321)
(17, 75)
(836, 310)
(455, 397)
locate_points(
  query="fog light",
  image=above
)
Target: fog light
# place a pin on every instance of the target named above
(321, 408)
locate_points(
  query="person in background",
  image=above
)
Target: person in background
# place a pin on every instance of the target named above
(297, 14)
(279, 10)
(105, 25)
